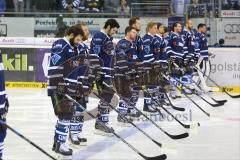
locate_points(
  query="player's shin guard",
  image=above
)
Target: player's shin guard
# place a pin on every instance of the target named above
(103, 117)
(161, 96)
(187, 86)
(173, 91)
(61, 133)
(76, 127)
(149, 105)
(132, 112)
(123, 109)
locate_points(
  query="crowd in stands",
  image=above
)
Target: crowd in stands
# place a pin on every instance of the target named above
(121, 7)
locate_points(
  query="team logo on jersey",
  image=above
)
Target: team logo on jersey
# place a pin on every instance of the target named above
(147, 49)
(96, 49)
(55, 58)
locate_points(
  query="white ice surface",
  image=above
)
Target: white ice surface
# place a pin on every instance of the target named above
(218, 138)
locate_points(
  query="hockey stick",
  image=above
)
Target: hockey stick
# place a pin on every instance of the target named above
(224, 88)
(184, 125)
(159, 157)
(180, 136)
(213, 105)
(174, 107)
(189, 98)
(26, 139)
(217, 101)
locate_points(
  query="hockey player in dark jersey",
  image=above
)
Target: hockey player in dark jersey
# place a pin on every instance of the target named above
(189, 58)
(175, 51)
(127, 67)
(62, 50)
(151, 51)
(3, 107)
(102, 47)
(202, 46)
(161, 30)
(135, 22)
(81, 78)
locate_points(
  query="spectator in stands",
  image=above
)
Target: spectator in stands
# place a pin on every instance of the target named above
(230, 4)
(179, 7)
(2, 7)
(71, 6)
(196, 10)
(123, 10)
(18, 5)
(94, 6)
(110, 5)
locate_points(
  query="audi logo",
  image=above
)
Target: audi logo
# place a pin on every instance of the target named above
(232, 28)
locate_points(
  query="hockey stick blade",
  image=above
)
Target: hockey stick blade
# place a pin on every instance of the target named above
(211, 104)
(219, 101)
(160, 157)
(180, 136)
(174, 107)
(234, 96)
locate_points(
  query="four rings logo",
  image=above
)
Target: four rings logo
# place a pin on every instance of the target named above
(232, 28)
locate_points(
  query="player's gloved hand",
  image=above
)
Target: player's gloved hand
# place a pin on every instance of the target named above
(164, 67)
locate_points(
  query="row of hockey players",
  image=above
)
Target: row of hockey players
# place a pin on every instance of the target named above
(123, 69)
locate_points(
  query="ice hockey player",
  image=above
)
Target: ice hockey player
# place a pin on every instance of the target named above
(175, 52)
(81, 78)
(189, 57)
(202, 47)
(62, 50)
(102, 46)
(161, 31)
(126, 73)
(151, 51)
(135, 22)
(3, 107)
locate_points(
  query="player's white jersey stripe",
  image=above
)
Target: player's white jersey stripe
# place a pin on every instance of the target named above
(2, 93)
(55, 76)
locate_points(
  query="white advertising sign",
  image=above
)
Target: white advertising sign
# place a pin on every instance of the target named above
(18, 27)
(229, 30)
(225, 66)
(230, 13)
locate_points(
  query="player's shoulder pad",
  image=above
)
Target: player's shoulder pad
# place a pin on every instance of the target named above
(99, 37)
(58, 46)
(147, 39)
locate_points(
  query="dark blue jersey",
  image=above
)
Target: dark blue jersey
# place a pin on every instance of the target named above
(190, 42)
(176, 46)
(61, 51)
(102, 46)
(163, 45)
(139, 44)
(129, 48)
(202, 44)
(126, 56)
(2, 88)
(151, 48)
